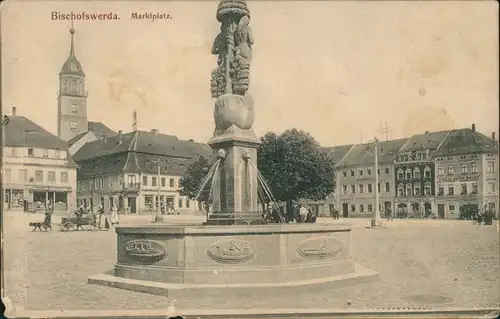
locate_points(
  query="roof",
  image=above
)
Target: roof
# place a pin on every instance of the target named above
(428, 140)
(337, 152)
(22, 132)
(466, 141)
(100, 130)
(139, 152)
(72, 67)
(76, 138)
(362, 154)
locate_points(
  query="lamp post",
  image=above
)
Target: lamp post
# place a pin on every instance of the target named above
(158, 164)
(376, 214)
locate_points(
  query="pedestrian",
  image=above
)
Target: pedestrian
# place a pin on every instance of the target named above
(388, 214)
(302, 214)
(114, 216)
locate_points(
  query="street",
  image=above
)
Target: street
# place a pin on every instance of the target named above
(422, 264)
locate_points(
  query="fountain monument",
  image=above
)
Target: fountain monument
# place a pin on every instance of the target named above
(234, 251)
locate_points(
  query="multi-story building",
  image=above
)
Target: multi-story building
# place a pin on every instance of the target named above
(415, 175)
(467, 173)
(356, 179)
(122, 170)
(38, 168)
(327, 206)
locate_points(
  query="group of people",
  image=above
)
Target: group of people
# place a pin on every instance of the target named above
(486, 216)
(100, 219)
(302, 214)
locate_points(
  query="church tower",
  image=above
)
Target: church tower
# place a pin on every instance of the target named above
(72, 97)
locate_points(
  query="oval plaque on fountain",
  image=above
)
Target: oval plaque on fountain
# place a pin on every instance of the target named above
(231, 251)
(322, 247)
(145, 251)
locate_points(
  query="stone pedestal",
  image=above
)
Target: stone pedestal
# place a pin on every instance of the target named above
(179, 260)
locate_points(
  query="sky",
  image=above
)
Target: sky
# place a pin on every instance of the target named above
(337, 69)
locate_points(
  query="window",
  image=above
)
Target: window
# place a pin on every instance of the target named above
(163, 182)
(370, 188)
(187, 203)
(463, 169)
(491, 187)
(417, 190)
(57, 154)
(13, 152)
(153, 181)
(451, 207)
(441, 191)
(473, 167)
(352, 173)
(401, 192)
(361, 188)
(73, 125)
(451, 170)
(91, 184)
(145, 180)
(464, 189)
(51, 177)
(45, 153)
(353, 208)
(387, 187)
(345, 174)
(171, 182)
(96, 183)
(353, 189)
(474, 188)
(64, 177)
(440, 170)
(131, 179)
(344, 189)
(491, 167)
(39, 176)
(378, 171)
(7, 174)
(427, 190)
(360, 172)
(30, 151)
(23, 175)
(370, 207)
(387, 170)
(408, 174)
(427, 172)
(378, 187)
(180, 202)
(65, 85)
(416, 173)
(400, 174)
(361, 208)
(419, 156)
(74, 108)
(369, 171)
(451, 190)
(409, 190)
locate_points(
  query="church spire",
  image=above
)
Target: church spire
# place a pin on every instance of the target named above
(72, 32)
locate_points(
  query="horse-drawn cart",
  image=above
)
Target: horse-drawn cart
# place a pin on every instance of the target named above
(77, 223)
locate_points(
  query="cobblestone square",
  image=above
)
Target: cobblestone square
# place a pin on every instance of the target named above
(422, 263)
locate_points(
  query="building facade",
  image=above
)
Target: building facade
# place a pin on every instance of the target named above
(416, 175)
(356, 179)
(38, 168)
(467, 173)
(136, 172)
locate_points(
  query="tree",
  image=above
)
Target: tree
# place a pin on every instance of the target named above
(295, 167)
(193, 179)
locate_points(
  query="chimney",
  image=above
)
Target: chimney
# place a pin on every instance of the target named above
(134, 121)
(473, 128)
(14, 111)
(120, 139)
(493, 136)
(154, 131)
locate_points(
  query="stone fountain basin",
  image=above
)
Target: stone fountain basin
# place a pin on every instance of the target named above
(166, 259)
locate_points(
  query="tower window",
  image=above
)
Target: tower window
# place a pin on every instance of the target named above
(74, 126)
(74, 88)
(74, 108)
